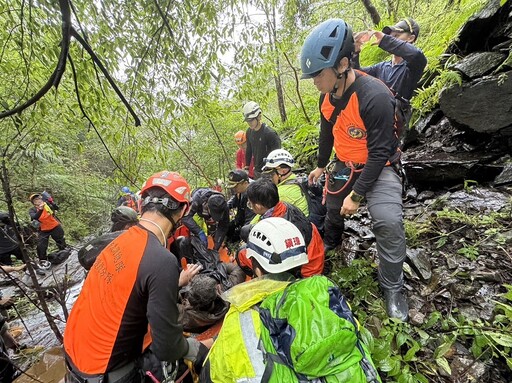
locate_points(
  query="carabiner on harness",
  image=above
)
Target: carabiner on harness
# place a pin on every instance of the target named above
(169, 372)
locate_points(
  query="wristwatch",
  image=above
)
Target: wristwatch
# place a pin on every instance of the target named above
(356, 197)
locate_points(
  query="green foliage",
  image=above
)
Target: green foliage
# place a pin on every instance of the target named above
(428, 97)
(404, 352)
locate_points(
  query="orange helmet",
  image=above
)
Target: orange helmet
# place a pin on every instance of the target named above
(240, 137)
(173, 184)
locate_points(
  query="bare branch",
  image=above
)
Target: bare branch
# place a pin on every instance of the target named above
(56, 76)
(109, 78)
(79, 100)
(297, 87)
(220, 141)
(374, 14)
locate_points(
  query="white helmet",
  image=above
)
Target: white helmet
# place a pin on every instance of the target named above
(277, 158)
(251, 110)
(277, 245)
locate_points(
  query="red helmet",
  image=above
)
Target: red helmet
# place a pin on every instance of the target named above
(240, 137)
(173, 184)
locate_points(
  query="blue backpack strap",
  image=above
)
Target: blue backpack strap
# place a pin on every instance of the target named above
(339, 305)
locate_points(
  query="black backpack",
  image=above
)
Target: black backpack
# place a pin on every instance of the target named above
(314, 198)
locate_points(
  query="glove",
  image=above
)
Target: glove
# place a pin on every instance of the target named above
(197, 353)
(204, 239)
(193, 349)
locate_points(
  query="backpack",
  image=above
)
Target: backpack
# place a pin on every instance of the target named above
(314, 198)
(90, 251)
(323, 344)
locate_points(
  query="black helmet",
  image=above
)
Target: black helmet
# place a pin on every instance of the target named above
(124, 214)
(123, 217)
(217, 206)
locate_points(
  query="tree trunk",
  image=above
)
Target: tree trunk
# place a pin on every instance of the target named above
(374, 14)
(390, 9)
(271, 22)
(280, 95)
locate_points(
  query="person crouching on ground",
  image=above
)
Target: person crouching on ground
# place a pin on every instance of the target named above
(132, 284)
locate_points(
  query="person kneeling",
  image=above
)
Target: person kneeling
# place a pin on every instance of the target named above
(271, 334)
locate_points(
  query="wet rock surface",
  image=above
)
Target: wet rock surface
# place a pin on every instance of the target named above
(480, 63)
(456, 265)
(480, 104)
(470, 136)
(445, 155)
(36, 333)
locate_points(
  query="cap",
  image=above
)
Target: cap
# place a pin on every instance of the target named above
(34, 195)
(237, 176)
(406, 25)
(217, 206)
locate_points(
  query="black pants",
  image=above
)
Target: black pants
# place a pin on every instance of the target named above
(44, 236)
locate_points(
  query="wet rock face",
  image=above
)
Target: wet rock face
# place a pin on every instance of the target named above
(485, 30)
(470, 136)
(446, 155)
(480, 63)
(484, 105)
(505, 177)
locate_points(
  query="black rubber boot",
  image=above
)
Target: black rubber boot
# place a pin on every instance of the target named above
(396, 304)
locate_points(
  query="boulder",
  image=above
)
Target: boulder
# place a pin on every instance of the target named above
(479, 63)
(482, 105)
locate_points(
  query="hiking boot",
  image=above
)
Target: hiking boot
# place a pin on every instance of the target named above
(396, 304)
(37, 269)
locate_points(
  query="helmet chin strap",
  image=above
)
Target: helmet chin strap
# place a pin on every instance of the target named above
(339, 76)
(280, 176)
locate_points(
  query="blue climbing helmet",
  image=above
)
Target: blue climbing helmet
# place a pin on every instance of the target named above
(125, 189)
(325, 46)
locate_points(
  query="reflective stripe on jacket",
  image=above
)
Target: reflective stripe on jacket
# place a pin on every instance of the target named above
(235, 356)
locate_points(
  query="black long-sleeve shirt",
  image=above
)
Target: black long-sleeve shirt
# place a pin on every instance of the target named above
(402, 78)
(259, 144)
